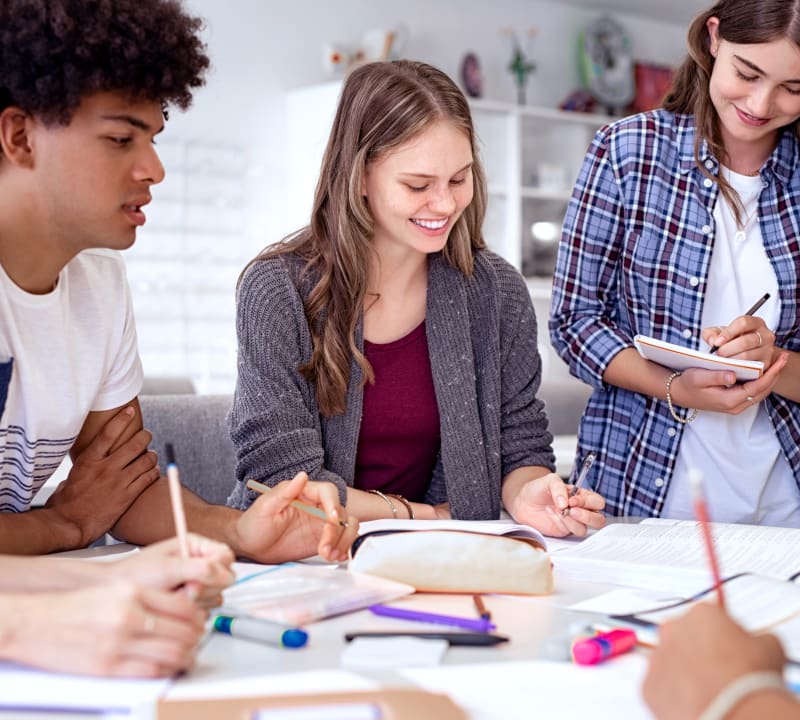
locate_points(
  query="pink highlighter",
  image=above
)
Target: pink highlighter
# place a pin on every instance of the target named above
(600, 647)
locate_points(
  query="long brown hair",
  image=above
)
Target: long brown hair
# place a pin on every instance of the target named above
(742, 22)
(382, 106)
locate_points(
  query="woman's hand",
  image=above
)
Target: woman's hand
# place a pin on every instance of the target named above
(113, 630)
(697, 656)
(718, 391)
(204, 575)
(746, 338)
(272, 530)
(545, 504)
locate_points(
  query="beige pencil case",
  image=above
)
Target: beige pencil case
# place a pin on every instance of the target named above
(455, 561)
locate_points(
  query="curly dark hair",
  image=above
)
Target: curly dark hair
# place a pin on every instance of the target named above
(55, 52)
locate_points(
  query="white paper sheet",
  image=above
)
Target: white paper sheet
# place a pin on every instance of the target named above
(541, 689)
(24, 688)
(321, 681)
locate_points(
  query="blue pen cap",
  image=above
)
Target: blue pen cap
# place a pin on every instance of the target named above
(222, 624)
(294, 638)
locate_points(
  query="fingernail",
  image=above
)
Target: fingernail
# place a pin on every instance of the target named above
(561, 502)
(128, 411)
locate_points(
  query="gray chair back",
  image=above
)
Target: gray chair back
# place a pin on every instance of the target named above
(197, 427)
(564, 402)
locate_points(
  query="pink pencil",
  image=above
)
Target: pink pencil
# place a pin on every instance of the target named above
(701, 513)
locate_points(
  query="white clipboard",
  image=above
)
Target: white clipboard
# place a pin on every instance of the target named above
(677, 357)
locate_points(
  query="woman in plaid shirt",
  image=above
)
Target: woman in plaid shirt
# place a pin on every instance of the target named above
(680, 219)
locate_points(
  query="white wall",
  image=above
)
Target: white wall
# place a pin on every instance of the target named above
(225, 194)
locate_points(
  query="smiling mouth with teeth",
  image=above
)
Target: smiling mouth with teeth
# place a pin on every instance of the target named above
(430, 224)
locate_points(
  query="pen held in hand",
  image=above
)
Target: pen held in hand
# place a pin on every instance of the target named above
(303, 507)
(584, 471)
(752, 311)
(176, 499)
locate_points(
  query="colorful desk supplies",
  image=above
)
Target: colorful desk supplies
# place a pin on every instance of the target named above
(483, 613)
(260, 630)
(476, 625)
(479, 639)
(605, 645)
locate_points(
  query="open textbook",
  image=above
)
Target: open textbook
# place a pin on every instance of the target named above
(485, 527)
(677, 357)
(669, 555)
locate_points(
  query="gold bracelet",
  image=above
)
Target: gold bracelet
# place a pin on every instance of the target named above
(678, 418)
(406, 503)
(388, 502)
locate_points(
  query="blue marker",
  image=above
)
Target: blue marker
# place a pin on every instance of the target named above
(260, 630)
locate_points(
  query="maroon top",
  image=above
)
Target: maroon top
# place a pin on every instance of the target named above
(399, 439)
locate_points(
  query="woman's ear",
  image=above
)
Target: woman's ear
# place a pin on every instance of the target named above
(713, 35)
(15, 126)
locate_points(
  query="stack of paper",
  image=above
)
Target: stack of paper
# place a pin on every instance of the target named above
(670, 555)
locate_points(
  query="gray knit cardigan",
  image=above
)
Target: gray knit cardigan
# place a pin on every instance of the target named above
(481, 333)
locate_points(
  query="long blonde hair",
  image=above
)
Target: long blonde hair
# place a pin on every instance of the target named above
(382, 106)
(740, 21)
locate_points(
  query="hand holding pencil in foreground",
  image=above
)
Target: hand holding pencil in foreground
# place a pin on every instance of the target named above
(202, 576)
(704, 657)
(129, 618)
(276, 527)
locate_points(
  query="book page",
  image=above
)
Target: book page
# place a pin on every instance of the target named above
(670, 555)
(486, 527)
(757, 603)
(677, 357)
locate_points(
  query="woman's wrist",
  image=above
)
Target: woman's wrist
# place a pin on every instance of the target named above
(732, 700)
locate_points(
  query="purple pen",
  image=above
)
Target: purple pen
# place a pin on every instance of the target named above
(474, 624)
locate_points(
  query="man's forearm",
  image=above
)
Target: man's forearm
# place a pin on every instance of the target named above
(36, 532)
(150, 518)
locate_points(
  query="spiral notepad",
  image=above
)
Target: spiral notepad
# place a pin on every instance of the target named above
(677, 357)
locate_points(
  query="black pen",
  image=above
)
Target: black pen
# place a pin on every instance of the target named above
(456, 638)
(584, 471)
(752, 311)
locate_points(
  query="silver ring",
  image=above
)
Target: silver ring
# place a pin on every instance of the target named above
(758, 335)
(149, 624)
(749, 398)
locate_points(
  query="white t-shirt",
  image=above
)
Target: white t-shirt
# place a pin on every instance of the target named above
(747, 478)
(69, 352)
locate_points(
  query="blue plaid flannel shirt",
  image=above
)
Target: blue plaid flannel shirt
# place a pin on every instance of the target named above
(634, 258)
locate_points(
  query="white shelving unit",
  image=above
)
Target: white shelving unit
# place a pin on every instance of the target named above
(532, 156)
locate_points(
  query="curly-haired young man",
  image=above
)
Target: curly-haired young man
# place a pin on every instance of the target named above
(84, 87)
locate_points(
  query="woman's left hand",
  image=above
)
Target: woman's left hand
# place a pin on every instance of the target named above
(540, 502)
